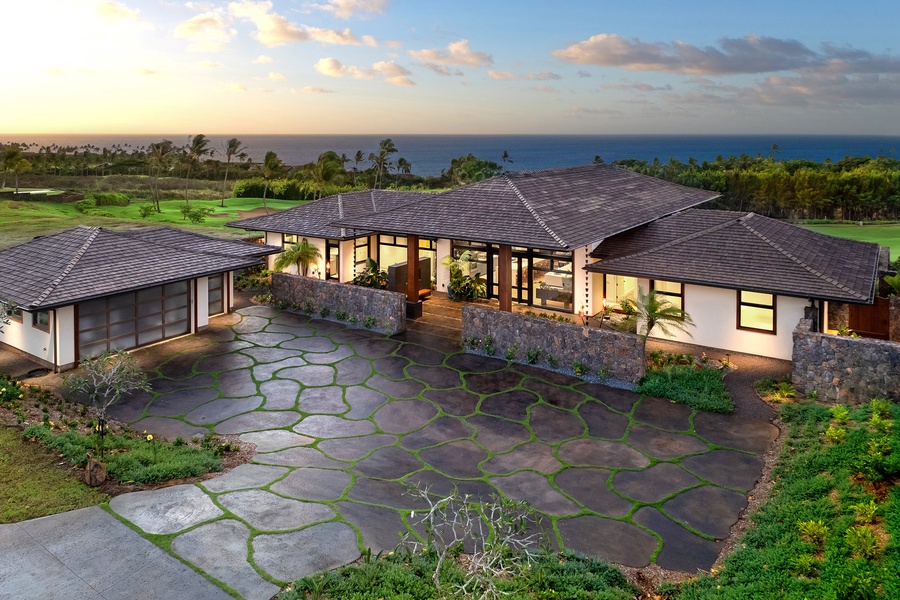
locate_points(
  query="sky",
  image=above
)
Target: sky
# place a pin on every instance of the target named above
(466, 67)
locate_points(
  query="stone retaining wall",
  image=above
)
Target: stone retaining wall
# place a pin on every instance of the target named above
(358, 303)
(894, 328)
(845, 369)
(618, 355)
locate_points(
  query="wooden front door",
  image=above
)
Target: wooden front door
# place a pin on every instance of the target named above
(871, 320)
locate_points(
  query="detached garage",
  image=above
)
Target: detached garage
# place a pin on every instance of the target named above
(87, 290)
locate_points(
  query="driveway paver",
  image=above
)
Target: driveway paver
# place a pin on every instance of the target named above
(344, 420)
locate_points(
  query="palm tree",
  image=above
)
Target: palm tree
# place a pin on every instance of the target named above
(505, 157)
(381, 160)
(653, 310)
(323, 171)
(271, 167)
(197, 148)
(301, 254)
(403, 166)
(234, 147)
(8, 159)
(159, 155)
(22, 166)
(357, 158)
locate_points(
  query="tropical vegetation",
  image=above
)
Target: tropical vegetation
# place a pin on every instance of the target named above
(302, 254)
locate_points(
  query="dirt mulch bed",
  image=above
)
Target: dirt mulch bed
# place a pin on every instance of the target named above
(63, 413)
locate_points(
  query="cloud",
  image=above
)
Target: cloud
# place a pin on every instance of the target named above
(389, 70)
(309, 89)
(543, 89)
(530, 76)
(583, 74)
(209, 64)
(637, 87)
(393, 73)
(237, 87)
(732, 56)
(262, 59)
(332, 67)
(273, 29)
(148, 72)
(580, 111)
(207, 32)
(115, 12)
(457, 53)
(345, 9)
(443, 70)
(276, 77)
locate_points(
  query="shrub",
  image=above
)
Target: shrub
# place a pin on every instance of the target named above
(324, 312)
(341, 315)
(866, 512)
(580, 368)
(701, 388)
(369, 322)
(83, 206)
(110, 199)
(532, 356)
(880, 424)
(840, 414)
(512, 351)
(814, 532)
(862, 542)
(552, 361)
(146, 210)
(836, 434)
(804, 564)
(881, 407)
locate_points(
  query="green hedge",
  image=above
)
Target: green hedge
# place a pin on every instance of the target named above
(110, 199)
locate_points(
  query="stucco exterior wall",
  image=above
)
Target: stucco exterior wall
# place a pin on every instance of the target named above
(273, 239)
(30, 340)
(444, 248)
(714, 312)
(583, 282)
(65, 337)
(202, 301)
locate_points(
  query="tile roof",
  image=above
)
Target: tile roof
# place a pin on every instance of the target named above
(315, 219)
(744, 251)
(554, 209)
(179, 238)
(88, 262)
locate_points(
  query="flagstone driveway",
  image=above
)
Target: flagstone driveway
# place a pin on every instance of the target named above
(344, 419)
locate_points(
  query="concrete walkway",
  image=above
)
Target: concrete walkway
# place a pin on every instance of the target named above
(88, 554)
(344, 419)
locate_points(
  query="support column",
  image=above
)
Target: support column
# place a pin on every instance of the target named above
(504, 277)
(412, 268)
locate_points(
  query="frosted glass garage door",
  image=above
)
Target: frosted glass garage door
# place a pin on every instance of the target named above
(216, 294)
(133, 319)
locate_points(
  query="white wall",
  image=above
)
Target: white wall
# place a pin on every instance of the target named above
(714, 312)
(346, 252)
(23, 336)
(202, 300)
(65, 336)
(444, 248)
(273, 239)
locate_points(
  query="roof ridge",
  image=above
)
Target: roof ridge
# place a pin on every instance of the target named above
(340, 205)
(374, 206)
(679, 240)
(796, 259)
(74, 261)
(533, 212)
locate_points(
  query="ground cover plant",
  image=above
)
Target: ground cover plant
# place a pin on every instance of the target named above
(830, 526)
(129, 458)
(695, 383)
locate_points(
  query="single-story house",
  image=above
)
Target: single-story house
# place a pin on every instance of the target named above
(536, 237)
(87, 290)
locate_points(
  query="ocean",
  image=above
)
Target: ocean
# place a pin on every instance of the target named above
(430, 154)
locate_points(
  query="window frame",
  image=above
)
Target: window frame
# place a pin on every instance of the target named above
(773, 308)
(14, 313)
(668, 295)
(36, 325)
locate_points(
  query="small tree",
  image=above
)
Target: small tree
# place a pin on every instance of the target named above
(302, 254)
(5, 309)
(653, 310)
(106, 378)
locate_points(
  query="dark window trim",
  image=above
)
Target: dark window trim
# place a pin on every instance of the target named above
(333, 269)
(670, 294)
(773, 308)
(14, 314)
(34, 321)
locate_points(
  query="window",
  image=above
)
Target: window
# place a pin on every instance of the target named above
(14, 313)
(672, 291)
(756, 311)
(288, 240)
(41, 320)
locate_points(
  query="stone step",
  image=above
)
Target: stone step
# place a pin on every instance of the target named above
(453, 333)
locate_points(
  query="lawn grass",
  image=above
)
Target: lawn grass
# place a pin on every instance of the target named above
(22, 221)
(805, 541)
(883, 235)
(34, 484)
